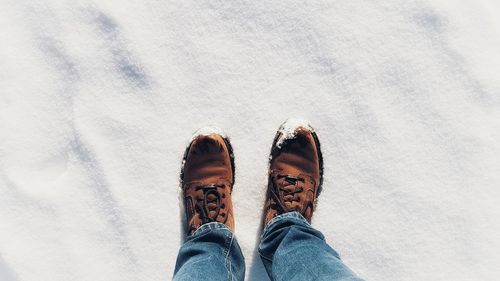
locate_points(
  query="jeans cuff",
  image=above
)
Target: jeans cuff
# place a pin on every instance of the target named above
(208, 227)
(290, 216)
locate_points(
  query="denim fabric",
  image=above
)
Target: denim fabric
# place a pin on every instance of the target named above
(290, 250)
(211, 253)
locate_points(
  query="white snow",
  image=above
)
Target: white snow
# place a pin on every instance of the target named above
(207, 131)
(289, 128)
(99, 98)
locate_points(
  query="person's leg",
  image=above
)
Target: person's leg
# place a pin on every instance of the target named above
(211, 251)
(292, 250)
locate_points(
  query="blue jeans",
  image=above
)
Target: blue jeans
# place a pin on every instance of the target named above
(290, 250)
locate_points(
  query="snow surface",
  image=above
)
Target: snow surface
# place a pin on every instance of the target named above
(98, 100)
(288, 129)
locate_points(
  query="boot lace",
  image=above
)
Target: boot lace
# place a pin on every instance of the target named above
(285, 193)
(210, 201)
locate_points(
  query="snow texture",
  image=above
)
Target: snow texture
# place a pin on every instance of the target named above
(98, 100)
(289, 128)
(207, 131)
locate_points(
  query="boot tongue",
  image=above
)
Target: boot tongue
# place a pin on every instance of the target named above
(288, 198)
(211, 200)
(297, 193)
(208, 199)
(289, 190)
(291, 180)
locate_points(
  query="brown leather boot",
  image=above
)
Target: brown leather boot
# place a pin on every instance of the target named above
(295, 172)
(207, 179)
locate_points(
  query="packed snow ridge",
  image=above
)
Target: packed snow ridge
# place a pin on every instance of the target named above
(207, 131)
(289, 128)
